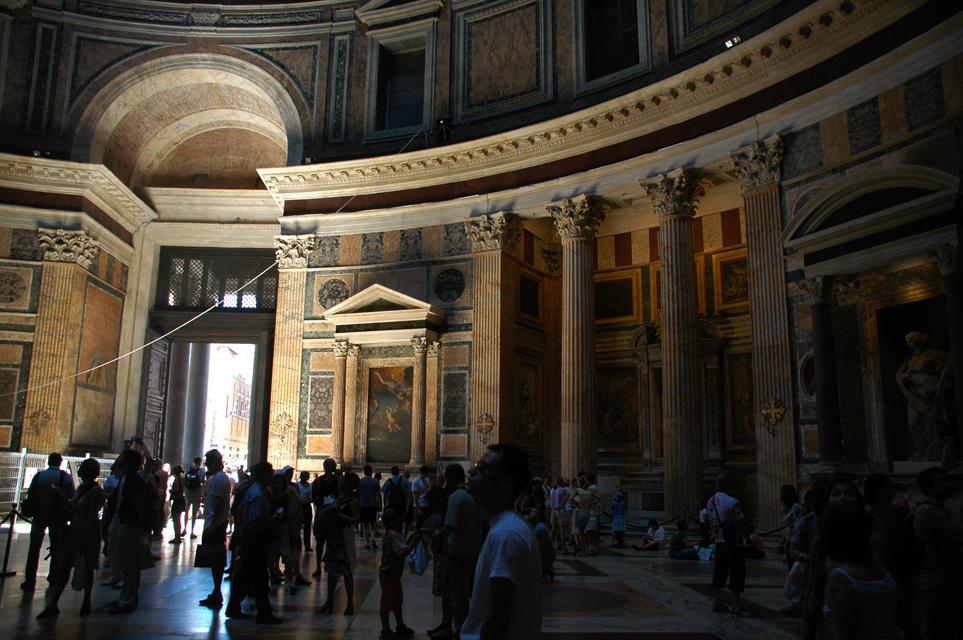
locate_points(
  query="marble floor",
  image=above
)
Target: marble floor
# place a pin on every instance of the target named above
(618, 595)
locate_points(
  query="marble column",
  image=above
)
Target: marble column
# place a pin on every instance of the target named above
(819, 291)
(577, 222)
(552, 319)
(351, 403)
(195, 417)
(49, 407)
(292, 254)
(175, 427)
(674, 198)
(420, 346)
(759, 167)
(431, 403)
(947, 257)
(337, 405)
(492, 346)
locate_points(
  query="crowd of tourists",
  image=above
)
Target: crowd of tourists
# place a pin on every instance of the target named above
(485, 558)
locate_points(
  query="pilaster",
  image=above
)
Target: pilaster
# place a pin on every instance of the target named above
(759, 168)
(351, 403)
(420, 347)
(431, 403)
(50, 405)
(947, 256)
(292, 254)
(674, 198)
(338, 401)
(577, 222)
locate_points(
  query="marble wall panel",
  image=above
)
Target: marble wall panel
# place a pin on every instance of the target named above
(803, 152)
(326, 252)
(321, 361)
(372, 248)
(694, 22)
(454, 446)
(455, 401)
(6, 236)
(433, 242)
(328, 291)
(502, 56)
(456, 240)
(320, 398)
(24, 245)
(410, 282)
(953, 85)
(712, 233)
(9, 378)
(924, 99)
(11, 353)
(317, 445)
(640, 246)
(6, 437)
(865, 129)
(605, 246)
(834, 132)
(411, 245)
(392, 246)
(17, 288)
(456, 355)
(350, 250)
(892, 114)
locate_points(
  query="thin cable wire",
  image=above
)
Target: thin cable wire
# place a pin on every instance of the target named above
(392, 159)
(219, 302)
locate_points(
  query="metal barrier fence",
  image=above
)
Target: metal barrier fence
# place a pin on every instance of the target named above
(17, 469)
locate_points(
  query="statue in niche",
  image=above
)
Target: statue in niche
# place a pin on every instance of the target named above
(527, 418)
(926, 382)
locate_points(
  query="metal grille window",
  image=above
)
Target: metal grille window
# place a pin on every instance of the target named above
(199, 278)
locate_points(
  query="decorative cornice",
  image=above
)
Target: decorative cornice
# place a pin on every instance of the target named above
(293, 251)
(497, 232)
(947, 256)
(759, 166)
(579, 218)
(801, 42)
(94, 182)
(372, 14)
(819, 290)
(675, 194)
(68, 246)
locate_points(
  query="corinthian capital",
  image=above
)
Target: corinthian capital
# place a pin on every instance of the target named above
(292, 251)
(579, 218)
(675, 194)
(947, 256)
(819, 289)
(499, 231)
(759, 166)
(68, 246)
(341, 349)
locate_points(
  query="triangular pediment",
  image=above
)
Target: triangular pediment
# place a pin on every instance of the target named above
(375, 299)
(379, 315)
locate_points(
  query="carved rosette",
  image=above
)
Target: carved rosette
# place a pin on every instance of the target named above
(420, 345)
(819, 289)
(578, 218)
(552, 255)
(293, 251)
(947, 256)
(485, 425)
(847, 293)
(341, 349)
(497, 232)
(68, 246)
(675, 194)
(773, 411)
(759, 166)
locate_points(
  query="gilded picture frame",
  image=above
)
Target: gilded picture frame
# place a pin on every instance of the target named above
(618, 297)
(730, 281)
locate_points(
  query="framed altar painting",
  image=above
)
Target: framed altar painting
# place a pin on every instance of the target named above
(730, 280)
(618, 297)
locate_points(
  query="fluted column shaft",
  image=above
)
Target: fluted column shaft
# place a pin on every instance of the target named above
(683, 441)
(577, 222)
(292, 252)
(351, 403)
(338, 400)
(759, 167)
(420, 346)
(827, 385)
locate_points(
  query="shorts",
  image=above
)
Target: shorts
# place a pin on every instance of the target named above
(216, 536)
(369, 515)
(593, 523)
(730, 563)
(392, 597)
(582, 520)
(559, 517)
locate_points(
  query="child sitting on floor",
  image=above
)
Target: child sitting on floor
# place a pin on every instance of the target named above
(653, 539)
(394, 551)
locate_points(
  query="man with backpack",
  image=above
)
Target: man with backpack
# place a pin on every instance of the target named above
(324, 490)
(46, 502)
(938, 537)
(193, 490)
(396, 493)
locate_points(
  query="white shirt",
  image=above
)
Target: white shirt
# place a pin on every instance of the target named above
(510, 551)
(419, 487)
(217, 501)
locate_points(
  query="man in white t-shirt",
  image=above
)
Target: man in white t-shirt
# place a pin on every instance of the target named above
(506, 602)
(419, 487)
(217, 510)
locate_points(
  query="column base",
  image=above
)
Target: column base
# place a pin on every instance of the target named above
(415, 463)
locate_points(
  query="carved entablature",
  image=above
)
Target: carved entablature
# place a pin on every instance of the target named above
(675, 194)
(499, 231)
(579, 218)
(947, 256)
(68, 246)
(293, 251)
(552, 255)
(759, 166)
(819, 289)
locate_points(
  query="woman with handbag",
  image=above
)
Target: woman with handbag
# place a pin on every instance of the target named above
(81, 542)
(339, 552)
